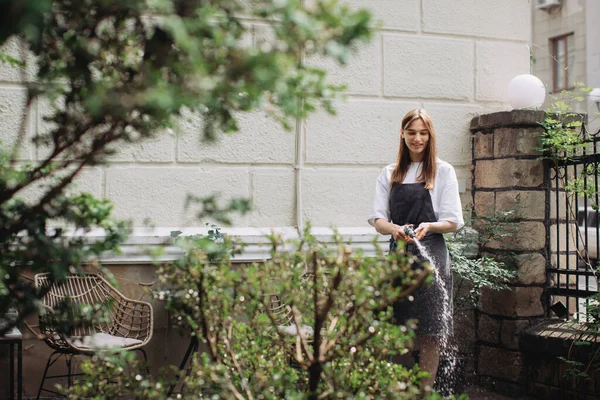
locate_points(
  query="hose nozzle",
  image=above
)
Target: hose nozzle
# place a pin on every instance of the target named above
(410, 232)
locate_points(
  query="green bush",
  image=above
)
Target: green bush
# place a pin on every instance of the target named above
(311, 322)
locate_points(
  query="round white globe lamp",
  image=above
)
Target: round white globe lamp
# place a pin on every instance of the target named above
(594, 97)
(526, 91)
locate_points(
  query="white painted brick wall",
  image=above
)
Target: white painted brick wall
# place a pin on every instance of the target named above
(13, 48)
(451, 121)
(505, 19)
(273, 190)
(262, 34)
(159, 193)
(497, 64)
(429, 67)
(401, 15)
(362, 74)
(12, 108)
(259, 140)
(43, 127)
(159, 149)
(338, 197)
(362, 132)
(463, 174)
(454, 58)
(90, 180)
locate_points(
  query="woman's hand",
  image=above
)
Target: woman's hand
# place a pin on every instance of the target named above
(422, 230)
(399, 233)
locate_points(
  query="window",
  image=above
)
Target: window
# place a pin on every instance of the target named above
(563, 60)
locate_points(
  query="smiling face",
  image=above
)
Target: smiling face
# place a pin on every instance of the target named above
(416, 137)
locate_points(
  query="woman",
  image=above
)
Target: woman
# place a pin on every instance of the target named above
(420, 191)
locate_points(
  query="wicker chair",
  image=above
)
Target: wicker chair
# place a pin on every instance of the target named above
(130, 325)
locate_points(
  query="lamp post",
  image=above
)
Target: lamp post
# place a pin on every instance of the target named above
(526, 91)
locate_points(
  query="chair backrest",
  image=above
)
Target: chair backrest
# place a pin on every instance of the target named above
(81, 289)
(280, 311)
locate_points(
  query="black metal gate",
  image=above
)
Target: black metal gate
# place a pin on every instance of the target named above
(573, 231)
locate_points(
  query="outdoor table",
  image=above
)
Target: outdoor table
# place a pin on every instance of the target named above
(12, 338)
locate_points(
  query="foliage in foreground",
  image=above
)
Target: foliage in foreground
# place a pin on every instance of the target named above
(110, 74)
(312, 322)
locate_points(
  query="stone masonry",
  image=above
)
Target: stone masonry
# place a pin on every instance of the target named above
(507, 175)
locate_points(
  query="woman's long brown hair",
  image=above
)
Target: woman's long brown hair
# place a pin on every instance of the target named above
(428, 170)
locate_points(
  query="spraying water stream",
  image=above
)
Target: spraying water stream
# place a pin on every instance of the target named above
(447, 368)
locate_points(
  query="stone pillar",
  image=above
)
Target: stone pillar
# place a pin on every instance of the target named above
(507, 174)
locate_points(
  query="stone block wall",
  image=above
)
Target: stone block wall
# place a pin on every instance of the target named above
(453, 58)
(507, 175)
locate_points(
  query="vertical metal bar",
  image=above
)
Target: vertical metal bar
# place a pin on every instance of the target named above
(574, 267)
(595, 142)
(584, 174)
(581, 308)
(12, 370)
(69, 359)
(548, 298)
(584, 223)
(20, 369)
(567, 214)
(557, 179)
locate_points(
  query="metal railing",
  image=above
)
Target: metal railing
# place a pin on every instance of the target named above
(573, 228)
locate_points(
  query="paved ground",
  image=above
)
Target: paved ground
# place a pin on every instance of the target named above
(477, 393)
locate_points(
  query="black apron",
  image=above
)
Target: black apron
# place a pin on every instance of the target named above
(411, 204)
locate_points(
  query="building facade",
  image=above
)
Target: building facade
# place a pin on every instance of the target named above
(565, 47)
(453, 58)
